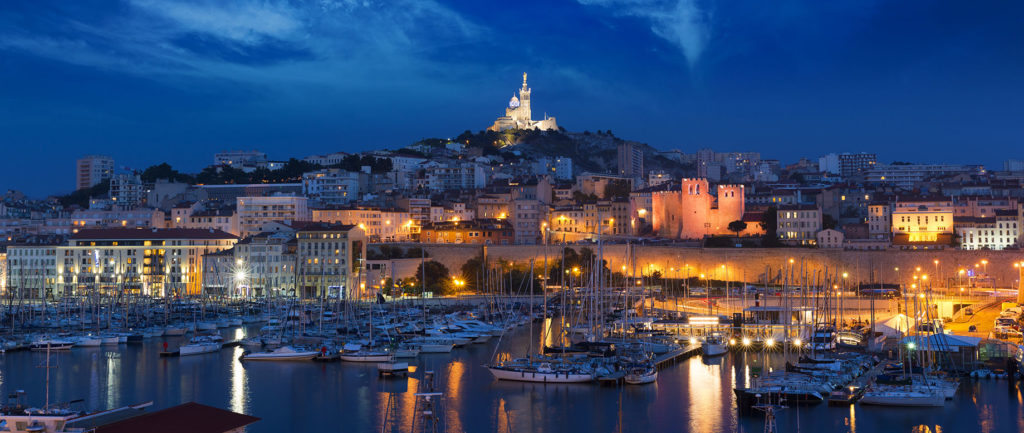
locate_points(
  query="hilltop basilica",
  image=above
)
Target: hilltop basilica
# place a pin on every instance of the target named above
(518, 116)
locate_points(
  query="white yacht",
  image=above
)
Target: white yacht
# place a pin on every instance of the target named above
(714, 345)
(199, 345)
(284, 353)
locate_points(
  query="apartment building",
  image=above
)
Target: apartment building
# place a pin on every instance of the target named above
(253, 212)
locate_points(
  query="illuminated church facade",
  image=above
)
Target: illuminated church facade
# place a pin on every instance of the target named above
(518, 115)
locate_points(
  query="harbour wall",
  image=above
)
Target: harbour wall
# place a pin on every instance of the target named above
(751, 264)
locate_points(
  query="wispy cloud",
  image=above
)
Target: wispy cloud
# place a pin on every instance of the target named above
(257, 41)
(684, 23)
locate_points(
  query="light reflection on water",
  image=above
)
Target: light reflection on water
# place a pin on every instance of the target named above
(692, 395)
(239, 388)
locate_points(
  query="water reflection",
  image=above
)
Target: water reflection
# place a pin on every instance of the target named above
(456, 370)
(704, 385)
(692, 395)
(113, 378)
(852, 420)
(239, 383)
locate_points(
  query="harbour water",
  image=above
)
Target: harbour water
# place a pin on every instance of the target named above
(690, 395)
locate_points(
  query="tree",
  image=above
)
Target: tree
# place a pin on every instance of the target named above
(163, 171)
(81, 197)
(469, 272)
(827, 222)
(770, 222)
(737, 227)
(616, 189)
(438, 279)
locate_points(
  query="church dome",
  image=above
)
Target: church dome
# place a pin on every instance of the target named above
(514, 102)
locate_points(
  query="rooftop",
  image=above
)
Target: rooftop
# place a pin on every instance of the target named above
(190, 417)
(143, 234)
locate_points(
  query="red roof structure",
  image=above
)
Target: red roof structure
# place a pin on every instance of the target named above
(190, 417)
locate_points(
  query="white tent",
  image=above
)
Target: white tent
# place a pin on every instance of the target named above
(895, 326)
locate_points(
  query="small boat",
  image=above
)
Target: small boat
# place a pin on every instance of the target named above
(714, 345)
(206, 326)
(51, 344)
(365, 356)
(406, 352)
(903, 397)
(981, 373)
(199, 345)
(86, 341)
(641, 376)
(173, 330)
(109, 339)
(284, 353)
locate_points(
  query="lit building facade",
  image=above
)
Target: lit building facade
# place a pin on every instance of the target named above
(798, 224)
(996, 232)
(253, 212)
(486, 232)
(329, 259)
(380, 225)
(331, 186)
(922, 225)
(519, 115)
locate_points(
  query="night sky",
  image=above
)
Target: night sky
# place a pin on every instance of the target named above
(148, 81)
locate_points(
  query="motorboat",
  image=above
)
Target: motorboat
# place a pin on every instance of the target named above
(51, 344)
(86, 341)
(200, 345)
(714, 345)
(174, 330)
(284, 353)
(641, 376)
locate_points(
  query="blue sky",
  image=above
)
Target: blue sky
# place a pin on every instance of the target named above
(148, 81)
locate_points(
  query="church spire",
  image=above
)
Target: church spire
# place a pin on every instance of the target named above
(524, 80)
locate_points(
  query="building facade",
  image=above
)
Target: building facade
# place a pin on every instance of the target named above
(253, 212)
(91, 170)
(693, 212)
(329, 259)
(799, 224)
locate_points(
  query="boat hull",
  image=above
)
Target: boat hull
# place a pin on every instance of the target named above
(543, 377)
(198, 349)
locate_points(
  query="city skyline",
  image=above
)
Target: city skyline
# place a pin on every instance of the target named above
(293, 79)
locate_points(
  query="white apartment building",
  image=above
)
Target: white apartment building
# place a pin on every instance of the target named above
(326, 160)
(127, 190)
(239, 158)
(454, 176)
(253, 212)
(331, 186)
(988, 233)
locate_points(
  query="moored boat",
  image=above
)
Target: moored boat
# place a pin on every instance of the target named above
(285, 353)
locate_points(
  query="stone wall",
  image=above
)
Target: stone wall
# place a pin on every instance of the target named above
(750, 264)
